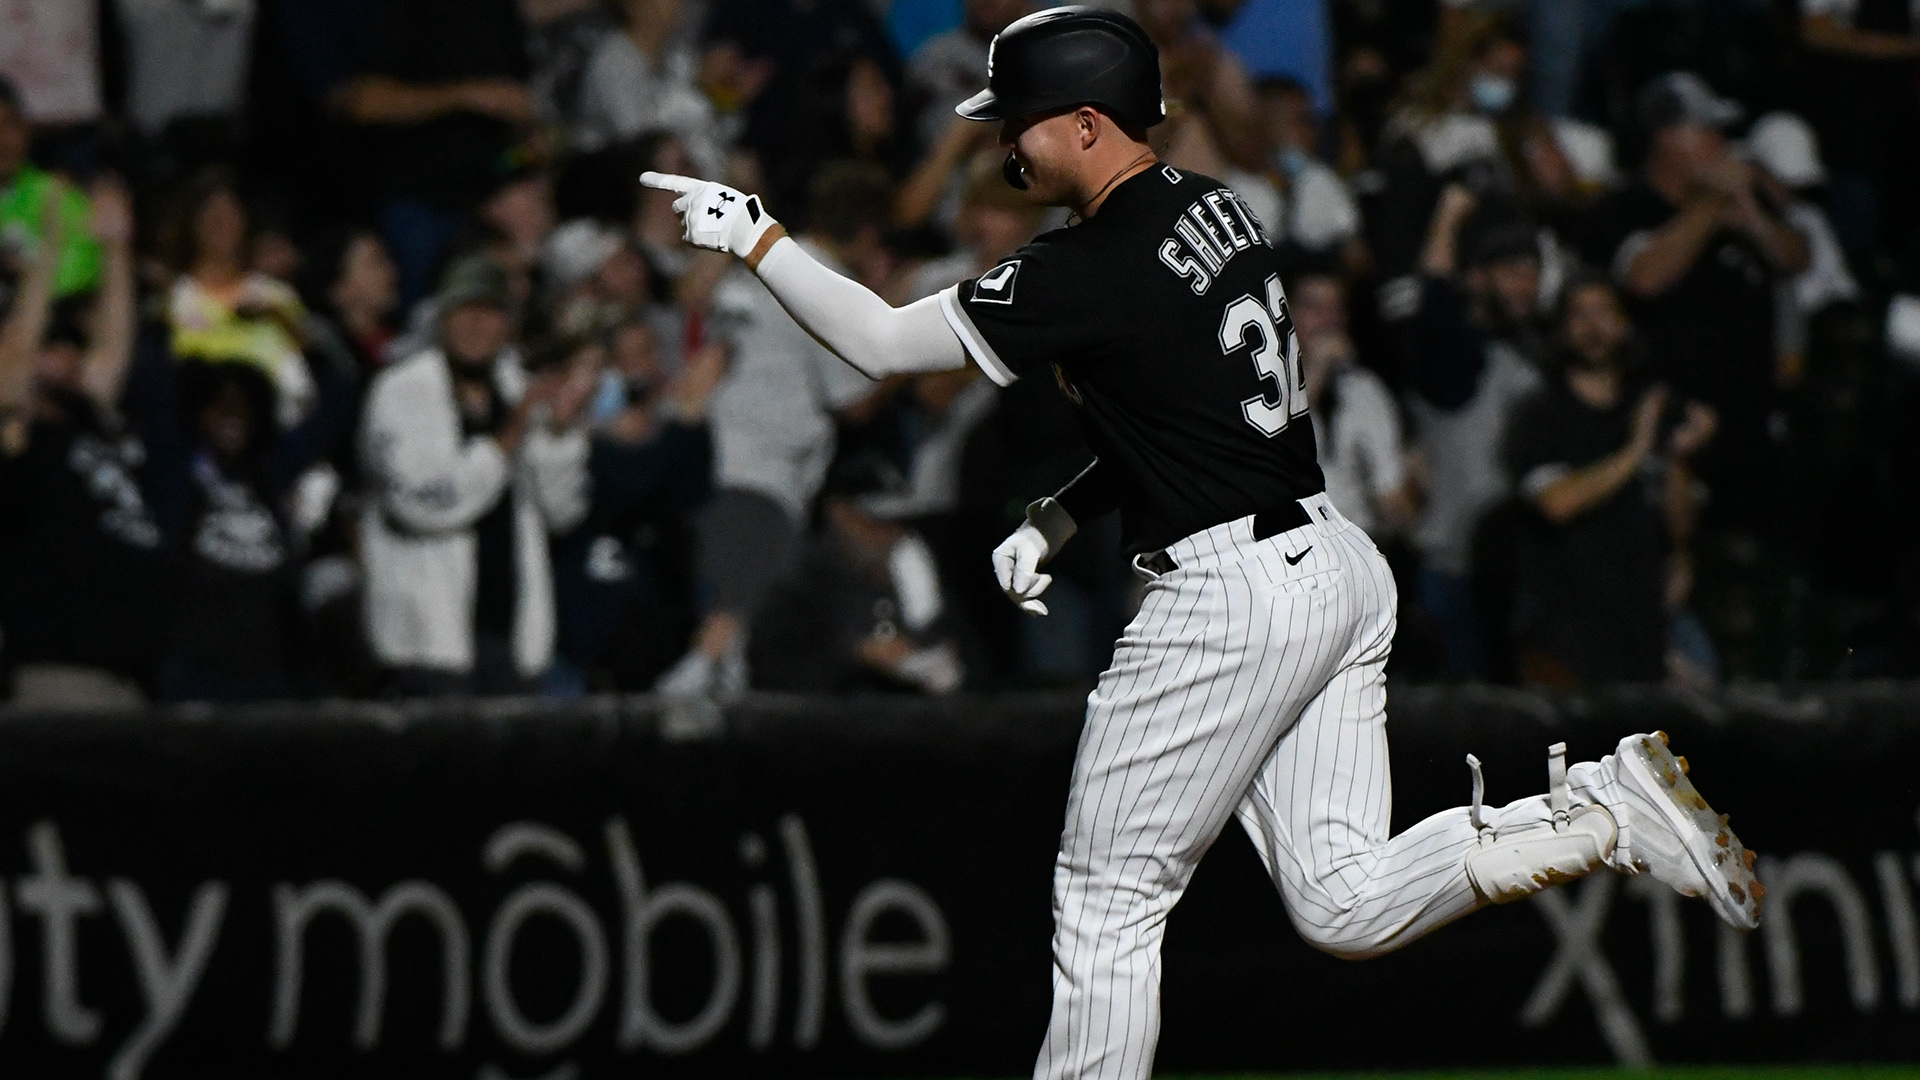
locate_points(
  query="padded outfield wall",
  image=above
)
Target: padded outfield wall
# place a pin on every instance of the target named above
(833, 888)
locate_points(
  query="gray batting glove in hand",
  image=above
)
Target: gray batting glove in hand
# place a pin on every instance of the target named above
(1017, 561)
(715, 216)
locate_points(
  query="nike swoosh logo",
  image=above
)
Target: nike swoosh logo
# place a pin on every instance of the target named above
(1294, 560)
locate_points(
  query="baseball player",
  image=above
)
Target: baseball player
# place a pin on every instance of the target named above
(1252, 682)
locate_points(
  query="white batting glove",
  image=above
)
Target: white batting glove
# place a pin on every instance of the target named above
(714, 216)
(1017, 561)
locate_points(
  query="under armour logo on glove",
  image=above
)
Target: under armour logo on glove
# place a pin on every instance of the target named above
(714, 216)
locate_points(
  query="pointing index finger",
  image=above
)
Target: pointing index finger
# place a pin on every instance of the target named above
(684, 185)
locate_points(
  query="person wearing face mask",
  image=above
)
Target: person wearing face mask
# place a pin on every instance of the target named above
(470, 464)
(1603, 469)
(1448, 129)
(1320, 215)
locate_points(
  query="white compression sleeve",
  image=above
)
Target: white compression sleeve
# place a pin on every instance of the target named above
(862, 329)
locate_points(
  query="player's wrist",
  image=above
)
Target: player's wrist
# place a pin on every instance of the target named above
(1052, 521)
(762, 244)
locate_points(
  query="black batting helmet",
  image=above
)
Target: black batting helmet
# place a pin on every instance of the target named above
(1068, 56)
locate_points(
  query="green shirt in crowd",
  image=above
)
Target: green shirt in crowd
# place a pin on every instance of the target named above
(22, 204)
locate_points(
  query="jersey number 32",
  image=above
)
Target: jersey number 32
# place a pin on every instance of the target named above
(1276, 357)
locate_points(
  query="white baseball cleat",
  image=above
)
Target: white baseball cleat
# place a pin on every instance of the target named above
(1674, 835)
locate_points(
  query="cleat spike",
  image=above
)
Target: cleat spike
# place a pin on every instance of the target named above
(1662, 736)
(1750, 859)
(1684, 767)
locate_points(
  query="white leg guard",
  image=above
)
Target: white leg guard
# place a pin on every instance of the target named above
(1515, 862)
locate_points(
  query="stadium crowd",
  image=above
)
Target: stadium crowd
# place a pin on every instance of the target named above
(342, 355)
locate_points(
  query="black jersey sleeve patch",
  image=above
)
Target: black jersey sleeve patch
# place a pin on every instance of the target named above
(996, 285)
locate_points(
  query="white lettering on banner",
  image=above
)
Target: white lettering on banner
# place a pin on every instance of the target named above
(526, 902)
(1811, 874)
(166, 983)
(763, 910)
(169, 977)
(640, 1025)
(6, 957)
(861, 958)
(1577, 955)
(531, 839)
(1736, 975)
(294, 909)
(1902, 934)
(1669, 947)
(812, 1005)
(59, 901)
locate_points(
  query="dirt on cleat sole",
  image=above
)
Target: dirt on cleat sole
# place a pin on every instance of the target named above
(1710, 842)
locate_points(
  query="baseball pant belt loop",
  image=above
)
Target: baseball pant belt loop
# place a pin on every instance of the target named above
(1222, 543)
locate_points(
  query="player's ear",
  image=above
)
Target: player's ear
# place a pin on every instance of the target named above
(1091, 123)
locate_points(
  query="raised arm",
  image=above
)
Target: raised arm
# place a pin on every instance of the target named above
(875, 337)
(104, 371)
(26, 325)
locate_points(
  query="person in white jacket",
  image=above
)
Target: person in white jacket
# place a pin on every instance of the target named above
(469, 464)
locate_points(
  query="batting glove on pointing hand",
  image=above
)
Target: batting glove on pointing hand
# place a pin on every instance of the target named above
(715, 216)
(1017, 561)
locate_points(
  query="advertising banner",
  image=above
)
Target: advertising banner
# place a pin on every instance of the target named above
(860, 888)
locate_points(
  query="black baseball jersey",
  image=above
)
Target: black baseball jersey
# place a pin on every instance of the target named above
(1163, 319)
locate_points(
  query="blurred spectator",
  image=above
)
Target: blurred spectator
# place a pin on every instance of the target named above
(1320, 215)
(645, 78)
(597, 281)
(773, 430)
(50, 55)
(353, 290)
(1698, 245)
(621, 579)
(1473, 356)
(993, 222)
(1356, 423)
(1785, 149)
(219, 311)
(950, 67)
(562, 37)
(771, 62)
(470, 465)
(864, 608)
(845, 111)
(1863, 60)
(1604, 466)
(1445, 131)
(1212, 114)
(231, 634)
(187, 67)
(82, 572)
(24, 193)
(444, 84)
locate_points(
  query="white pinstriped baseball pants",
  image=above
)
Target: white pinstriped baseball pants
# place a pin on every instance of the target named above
(1252, 684)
